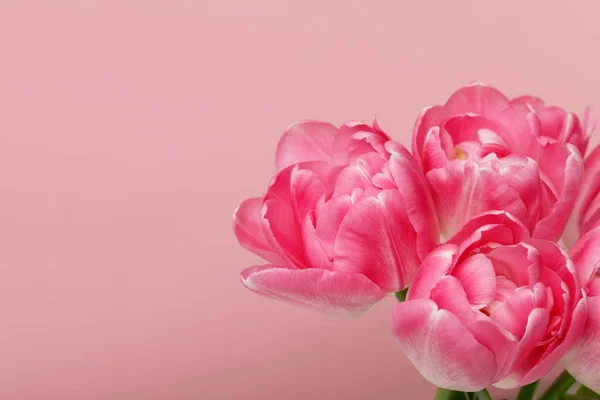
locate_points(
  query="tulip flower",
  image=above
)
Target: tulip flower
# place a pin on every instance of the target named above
(491, 307)
(481, 151)
(346, 220)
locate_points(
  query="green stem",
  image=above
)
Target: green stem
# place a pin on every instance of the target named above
(401, 295)
(559, 387)
(527, 392)
(446, 394)
(483, 395)
(587, 392)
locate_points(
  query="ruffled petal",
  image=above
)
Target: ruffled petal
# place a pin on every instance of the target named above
(562, 171)
(328, 291)
(583, 360)
(416, 195)
(248, 229)
(377, 239)
(305, 141)
(441, 347)
(463, 190)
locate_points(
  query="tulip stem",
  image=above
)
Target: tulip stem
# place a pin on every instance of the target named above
(587, 392)
(559, 387)
(447, 394)
(527, 392)
(482, 395)
(401, 295)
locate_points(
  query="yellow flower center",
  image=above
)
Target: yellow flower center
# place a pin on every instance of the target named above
(458, 153)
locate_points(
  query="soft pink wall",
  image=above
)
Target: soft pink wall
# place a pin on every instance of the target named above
(130, 130)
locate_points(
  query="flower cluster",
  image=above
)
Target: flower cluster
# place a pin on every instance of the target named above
(492, 223)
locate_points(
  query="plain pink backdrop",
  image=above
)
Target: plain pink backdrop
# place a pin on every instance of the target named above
(129, 132)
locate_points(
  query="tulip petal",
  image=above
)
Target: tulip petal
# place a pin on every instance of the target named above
(313, 249)
(437, 264)
(583, 360)
(248, 229)
(478, 99)
(419, 205)
(359, 174)
(463, 190)
(330, 217)
(305, 141)
(290, 196)
(513, 127)
(448, 294)
(328, 291)
(441, 347)
(377, 239)
(585, 254)
(562, 171)
(490, 227)
(430, 118)
(537, 322)
(477, 277)
(550, 358)
(499, 341)
(583, 217)
(354, 139)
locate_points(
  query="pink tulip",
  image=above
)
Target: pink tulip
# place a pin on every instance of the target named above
(346, 220)
(491, 306)
(583, 361)
(481, 151)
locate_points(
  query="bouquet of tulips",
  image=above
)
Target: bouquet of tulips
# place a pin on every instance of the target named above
(487, 233)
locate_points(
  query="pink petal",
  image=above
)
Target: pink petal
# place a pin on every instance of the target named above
(419, 205)
(523, 176)
(313, 248)
(514, 313)
(583, 360)
(479, 99)
(582, 220)
(499, 341)
(248, 229)
(463, 190)
(549, 359)
(377, 239)
(328, 291)
(437, 264)
(331, 215)
(359, 174)
(428, 119)
(490, 227)
(448, 294)
(290, 196)
(562, 170)
(306, 189)
(475, 128)
(585, 254)
(441, 347)
(437, 149)
(477, 277)
(536, 324)
(556, 123)
(355, 139)
(305, 141)
(519, 263)
(528, 103)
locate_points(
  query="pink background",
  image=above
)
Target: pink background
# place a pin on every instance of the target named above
(130, 130)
